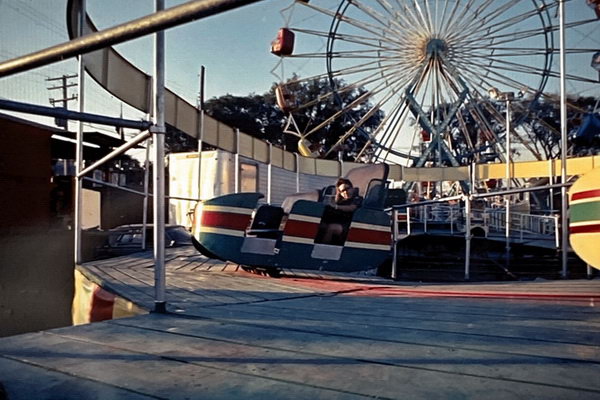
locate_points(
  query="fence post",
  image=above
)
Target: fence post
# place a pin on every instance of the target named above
(395, 244)
(467, 237)
(236, 174)
(556, 232)
(521, 224)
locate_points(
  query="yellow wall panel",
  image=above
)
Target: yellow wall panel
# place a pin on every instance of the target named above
(226, 138)
(170, 108)
(327, 167)
(261, 150)
(211, 126)
(307, 165)
(127, 82)
(187, 118)
(277, 157)
(246, 145)
(289, 161)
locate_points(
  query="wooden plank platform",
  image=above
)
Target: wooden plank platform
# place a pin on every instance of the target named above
(230, 334)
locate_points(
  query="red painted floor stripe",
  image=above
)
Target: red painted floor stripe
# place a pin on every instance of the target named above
(360, 289)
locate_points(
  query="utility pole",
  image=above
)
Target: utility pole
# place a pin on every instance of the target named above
(64, 86)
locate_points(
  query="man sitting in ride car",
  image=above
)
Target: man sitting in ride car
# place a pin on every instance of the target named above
(338, 215)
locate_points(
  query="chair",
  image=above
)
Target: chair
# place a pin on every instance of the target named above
(266, 222)
(376, 194)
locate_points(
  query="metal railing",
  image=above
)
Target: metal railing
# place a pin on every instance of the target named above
(423, 213)
(451, 218)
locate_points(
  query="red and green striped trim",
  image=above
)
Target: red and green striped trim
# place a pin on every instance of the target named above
(587, 194)
(584, 212)
(589, 228)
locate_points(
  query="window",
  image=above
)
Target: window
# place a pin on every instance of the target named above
(248, 177)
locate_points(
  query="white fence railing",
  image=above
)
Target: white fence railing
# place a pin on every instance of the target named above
(490, 220)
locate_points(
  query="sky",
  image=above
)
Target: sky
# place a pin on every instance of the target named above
(233, 46)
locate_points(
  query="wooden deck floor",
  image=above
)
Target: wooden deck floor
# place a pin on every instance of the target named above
(234, 335)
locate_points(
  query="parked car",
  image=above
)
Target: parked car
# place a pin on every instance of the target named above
(127, 239)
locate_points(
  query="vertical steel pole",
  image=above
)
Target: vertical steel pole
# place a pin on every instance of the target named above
(297, 157)
(551, 182)
(159, 167)
(79, 147)
(556, 232)
(395, 244)
(237, 162)
(508, 185)
(269, 173)
(200, 130)
(467, 237)
(563, 144)
(146, 194)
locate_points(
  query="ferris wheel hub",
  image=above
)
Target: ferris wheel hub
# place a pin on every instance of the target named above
(436, 48)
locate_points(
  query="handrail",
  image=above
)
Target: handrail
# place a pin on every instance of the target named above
(119, 150)
(63, 113)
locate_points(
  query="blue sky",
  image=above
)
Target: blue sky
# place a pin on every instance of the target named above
(233, 46)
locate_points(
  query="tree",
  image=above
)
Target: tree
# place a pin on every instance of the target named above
(314, 101)
(259, 115)
(536, 122)
(543, 126)
(256, 115)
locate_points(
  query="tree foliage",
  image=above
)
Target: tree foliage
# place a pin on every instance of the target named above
(259, 115)
(535, 122)
(543, 127)
(316, 102)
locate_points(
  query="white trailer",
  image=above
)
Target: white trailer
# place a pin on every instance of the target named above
(223, 173)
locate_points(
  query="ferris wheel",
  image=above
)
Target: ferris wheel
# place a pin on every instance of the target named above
(430, 80)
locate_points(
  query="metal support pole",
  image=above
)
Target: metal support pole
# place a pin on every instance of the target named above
(269, 173)
(563, 144)
(146, 194)
(556, 232)
(467, 237)
(200, 129)
(79, 151)
(408, 221)
(237, 162)
(472, 177)
(158, 130)
(508, 185)
(395, 244)
(297, 157)
(551, 182)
